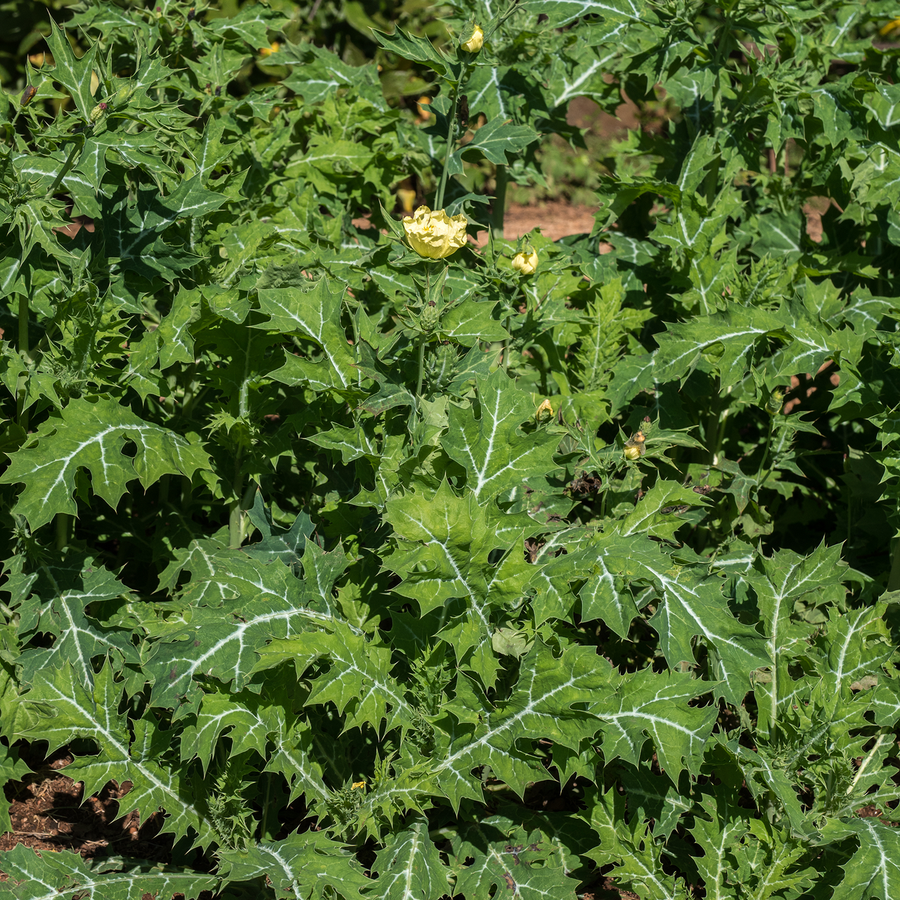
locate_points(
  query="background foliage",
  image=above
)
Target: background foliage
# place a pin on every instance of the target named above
(293, 543)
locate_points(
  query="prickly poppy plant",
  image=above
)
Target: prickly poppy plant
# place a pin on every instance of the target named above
(390, 575)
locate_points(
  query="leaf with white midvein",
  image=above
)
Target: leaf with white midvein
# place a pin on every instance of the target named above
(318, 73)
(496, 454)
(629, 846)
(443, 551)
(315, 315)
(470, 322)
(358, 681)
(873, 872)
(647, 704)
(562, 12)
(497, 857)
(546, 704)
(67, 710)
(248, 721)
(492, 90)
(252, 602)
(694, 607)
(731, 336)
(853, 646)
(493, 141)
(410, 867)
(578, 72)
(95, 437)
(717, 834)
(691, 602)
(61, 593)
(72, 73)
(656, 513)
(307, 866)
(55, 875)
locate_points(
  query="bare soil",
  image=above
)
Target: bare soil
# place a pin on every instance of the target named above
(48, 812)
(555, 220)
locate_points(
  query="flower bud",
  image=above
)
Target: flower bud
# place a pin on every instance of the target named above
(475, 41)
(775, 402)
(525, 263)
(632, 453)
(429, 317)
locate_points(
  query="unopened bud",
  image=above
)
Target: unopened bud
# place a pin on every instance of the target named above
(475, 41)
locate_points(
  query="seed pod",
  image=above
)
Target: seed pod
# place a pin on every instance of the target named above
(429, 318)
(775, 402)
(27, 95)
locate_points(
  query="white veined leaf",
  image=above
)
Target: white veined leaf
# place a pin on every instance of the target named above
(49, 876)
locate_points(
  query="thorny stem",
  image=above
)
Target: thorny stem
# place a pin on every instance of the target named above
(506, 346)
(25, 350)
(421, 378)
(764, 471)
(452, 123)
(714, 429)
(893, 583)
(67, 165)
(451, 140)
(499, 209)
(235, 531)
(422, 340)
(62, 530)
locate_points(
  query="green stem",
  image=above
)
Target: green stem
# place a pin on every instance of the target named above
(764, 471)
(894, 577)
(499, 209)
(506, 346)
(67, 165)
(62, 530)
(25, 350)
(713, 438)
(421, 379)
(266, 807)
(24, 347)
(235, 516)
(451, 140)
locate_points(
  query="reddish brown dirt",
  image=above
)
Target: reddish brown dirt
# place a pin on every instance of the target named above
(47, 813)
(556, 220)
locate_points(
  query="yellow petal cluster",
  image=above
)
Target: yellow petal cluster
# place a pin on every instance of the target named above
(435, 235)
(475, 42)
(525, 263)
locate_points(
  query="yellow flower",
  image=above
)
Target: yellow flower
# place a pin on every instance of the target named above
(475, 41)
(268, 51)
(356, 785)
(435, 235)
(891, 27)
(525, 263)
